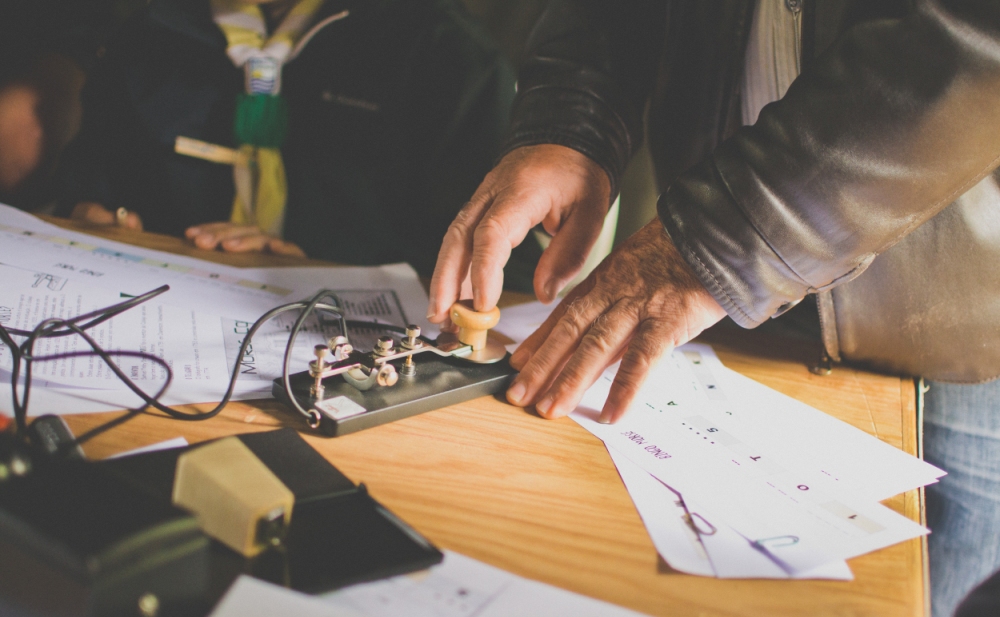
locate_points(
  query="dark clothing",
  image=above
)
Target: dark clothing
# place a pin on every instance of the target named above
(30, 29)
(984, 601)
(395, 115)
(893, 118)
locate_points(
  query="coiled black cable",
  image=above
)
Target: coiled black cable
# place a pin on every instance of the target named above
(23, 355)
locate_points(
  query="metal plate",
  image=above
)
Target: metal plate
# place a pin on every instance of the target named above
(438, 382)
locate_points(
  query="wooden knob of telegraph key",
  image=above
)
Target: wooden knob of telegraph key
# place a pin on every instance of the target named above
(473, 326)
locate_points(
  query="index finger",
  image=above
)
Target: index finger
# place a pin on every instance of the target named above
(503, 226)
(453, 258)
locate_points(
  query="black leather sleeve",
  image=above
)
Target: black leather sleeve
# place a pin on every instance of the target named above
(886, 128)
(588, 73)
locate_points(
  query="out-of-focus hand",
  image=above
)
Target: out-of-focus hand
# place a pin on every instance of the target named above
(640, 302)
(96, 214)
(565, 191)
(234, 238)
(21, 134)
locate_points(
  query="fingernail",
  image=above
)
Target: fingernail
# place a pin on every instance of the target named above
(551, 290)
(544, 405)
(519, 359)
(516, 393)
(604, 419)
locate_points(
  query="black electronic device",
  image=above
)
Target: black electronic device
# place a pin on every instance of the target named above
(346, 390)
(77, 540)
(50, 435)
(440, 382)
(80, 538)
(338, 534)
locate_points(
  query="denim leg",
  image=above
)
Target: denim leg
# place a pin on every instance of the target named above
(962, 436)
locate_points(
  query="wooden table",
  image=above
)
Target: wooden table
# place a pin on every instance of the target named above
(542, 498)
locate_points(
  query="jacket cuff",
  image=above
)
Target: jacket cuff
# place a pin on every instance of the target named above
(566, 116)
(735, 264)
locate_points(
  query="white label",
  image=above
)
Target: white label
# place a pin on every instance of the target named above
(339, 407)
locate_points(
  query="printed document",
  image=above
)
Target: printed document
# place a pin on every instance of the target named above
(196, 327)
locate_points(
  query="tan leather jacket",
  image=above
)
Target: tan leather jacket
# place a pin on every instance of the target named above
(872, 182)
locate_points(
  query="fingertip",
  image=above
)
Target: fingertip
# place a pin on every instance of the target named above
(552, 289)
(515, 395)
(204, 241)
(436, 312)
(192, 232)
(544, 407)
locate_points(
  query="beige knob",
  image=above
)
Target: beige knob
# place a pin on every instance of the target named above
(473, 326)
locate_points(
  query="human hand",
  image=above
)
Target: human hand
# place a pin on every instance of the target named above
(565, 191)
(21, 134)
(235, 238)
(642, 300)
(96, 214)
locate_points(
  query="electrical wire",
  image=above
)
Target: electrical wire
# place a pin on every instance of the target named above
(23, 356)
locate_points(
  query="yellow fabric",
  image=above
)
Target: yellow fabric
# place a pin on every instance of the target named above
(259, 175)
(263, 174)
(246, 32)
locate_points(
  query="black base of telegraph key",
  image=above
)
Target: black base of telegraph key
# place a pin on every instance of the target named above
(438, 382)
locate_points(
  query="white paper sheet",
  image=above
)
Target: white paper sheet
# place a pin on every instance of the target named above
(707, 546)
(190, 341)
(665, 516)
(169, 444)
(251, 597)
(518, 322)
(197, 326)
(802, 433)
(803, 518)
(459, 587)
(464, 587)
(238, 293)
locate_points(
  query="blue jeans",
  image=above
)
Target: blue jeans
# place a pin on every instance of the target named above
(962, 436)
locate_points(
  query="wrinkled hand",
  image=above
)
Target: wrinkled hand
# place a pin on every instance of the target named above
(565, 191)
(234, 238)
(96, 214)
(640, 302)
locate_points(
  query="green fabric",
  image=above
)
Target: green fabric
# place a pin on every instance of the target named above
(261, 120)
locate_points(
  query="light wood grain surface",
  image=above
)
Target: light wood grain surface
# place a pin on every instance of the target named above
(542, 498)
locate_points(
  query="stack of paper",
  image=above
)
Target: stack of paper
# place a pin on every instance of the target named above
(736, 480)
(196, 327)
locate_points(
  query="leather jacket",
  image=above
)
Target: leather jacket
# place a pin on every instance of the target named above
(872, 182)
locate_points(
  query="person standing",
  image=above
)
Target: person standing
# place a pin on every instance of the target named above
(870, 182)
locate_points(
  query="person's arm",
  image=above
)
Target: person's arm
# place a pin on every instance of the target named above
(882, 132)
(576, 121)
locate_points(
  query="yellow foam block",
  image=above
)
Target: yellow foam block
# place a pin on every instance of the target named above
(235, 497)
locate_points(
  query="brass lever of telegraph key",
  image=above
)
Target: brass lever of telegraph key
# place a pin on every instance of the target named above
(473, 326)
